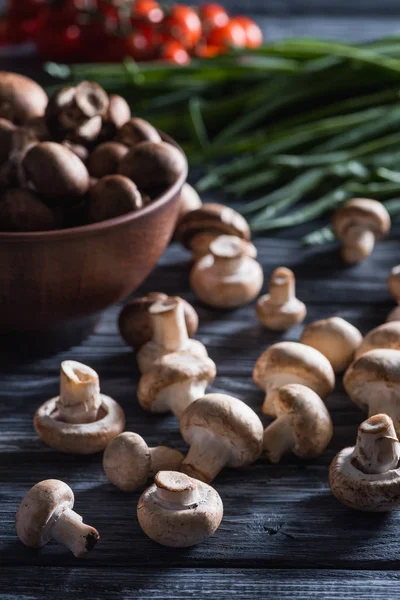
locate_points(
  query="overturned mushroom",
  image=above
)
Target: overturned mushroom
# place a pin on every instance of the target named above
(179, 511)
(46, 514)
(135, 131)
(385, 336)
(359, 223)
(135, 323)
(227, 277)
(373, 383)
(303, 426)
(174, 382)
(128, 461)
(169, 334)
(80, 420)
(366, 477)
(113, 196)
(222, 431)
(21, 98)
(290, 362)
(280, 309)
(335, 338)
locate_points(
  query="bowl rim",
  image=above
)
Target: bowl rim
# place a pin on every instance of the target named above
(94, 228)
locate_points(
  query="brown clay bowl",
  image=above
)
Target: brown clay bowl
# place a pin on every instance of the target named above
(58, 278)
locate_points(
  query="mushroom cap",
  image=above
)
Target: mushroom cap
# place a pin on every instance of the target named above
(135, 322)
(40, 508)
(394, 282)
(212, 218)
(363, 491)
(172, 369)
(21, 98)
(374, 374)
(386, 336)
(361, 212)
(335, 338)
(149, 353)
(291, 362)
(229, 419)
(179, 526)
(310, 421)
(394, 315)
(136, 131)
(282, 316)
(86, 438)
(127, 462)
(190, 200)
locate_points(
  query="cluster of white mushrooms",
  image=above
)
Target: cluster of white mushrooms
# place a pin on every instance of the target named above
(181, 508)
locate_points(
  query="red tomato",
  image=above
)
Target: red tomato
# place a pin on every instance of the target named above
(183, 25)
(254, 36)
(148, 10)
(142, 43)
(231, 35)
(173, 51)
(213, 15)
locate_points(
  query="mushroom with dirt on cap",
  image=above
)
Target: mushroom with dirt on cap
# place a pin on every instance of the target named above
(227, 277)
(291, 362)
(222, 431)
(359, 223)
(366, 477)
(46, 514)
(174, 382)
(128, 461)
(135, 323)
(386, 336)
(179, 511)
(303, 426)
(80, 420)
(280, 309)
(394, 288)
(335, 338)
(170, 334)
(373, 383)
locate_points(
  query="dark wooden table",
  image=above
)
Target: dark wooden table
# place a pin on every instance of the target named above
(283, 534)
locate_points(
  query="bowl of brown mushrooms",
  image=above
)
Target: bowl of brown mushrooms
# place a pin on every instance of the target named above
(89, 197)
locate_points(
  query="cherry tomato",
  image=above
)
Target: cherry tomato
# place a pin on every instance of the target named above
(142, 43)
(207, 51)
(148, 10)
(213, 15)
(231, 35)
(183, 25)
(173, 51)
(254, 36)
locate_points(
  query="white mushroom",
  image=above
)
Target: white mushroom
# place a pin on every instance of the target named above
(373, 383)
(227, 277)
(46, 514)
(303, 426)
(174, 382)
(335, 338)
(366, 477)
(290, 362)
(169, 334)
(128, 461)
(280, 309)
(179, 511)
(80, 420)
(385, 336)
(222, 432)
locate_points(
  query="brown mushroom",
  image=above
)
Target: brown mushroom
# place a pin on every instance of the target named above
(81, 151)
(80, 420)
(6, 137)
(384, 336)
(169, 334)
(113, 196)
(303, 426)
(118, 113)
(21, 210)
(128, 461)
(335, 338)
(104, 159)
(135, 320)
(290, 362)
(135, 131)
(46, 514)
(18, 142)
(189, 200)
(227, 277)
(21, 98)
(179, 511)
(222, 431)
(359, 223)
(280, 309)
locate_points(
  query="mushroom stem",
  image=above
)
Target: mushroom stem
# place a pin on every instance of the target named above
(205, 459)
(70, 531)
(169, 326)
(268, 407)
(174, 491)
(377, 449)
(281, 286)
(228, 253)
(163, 458)
(178, 396)
(358, 244)
(278, 439)
(80, 398)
